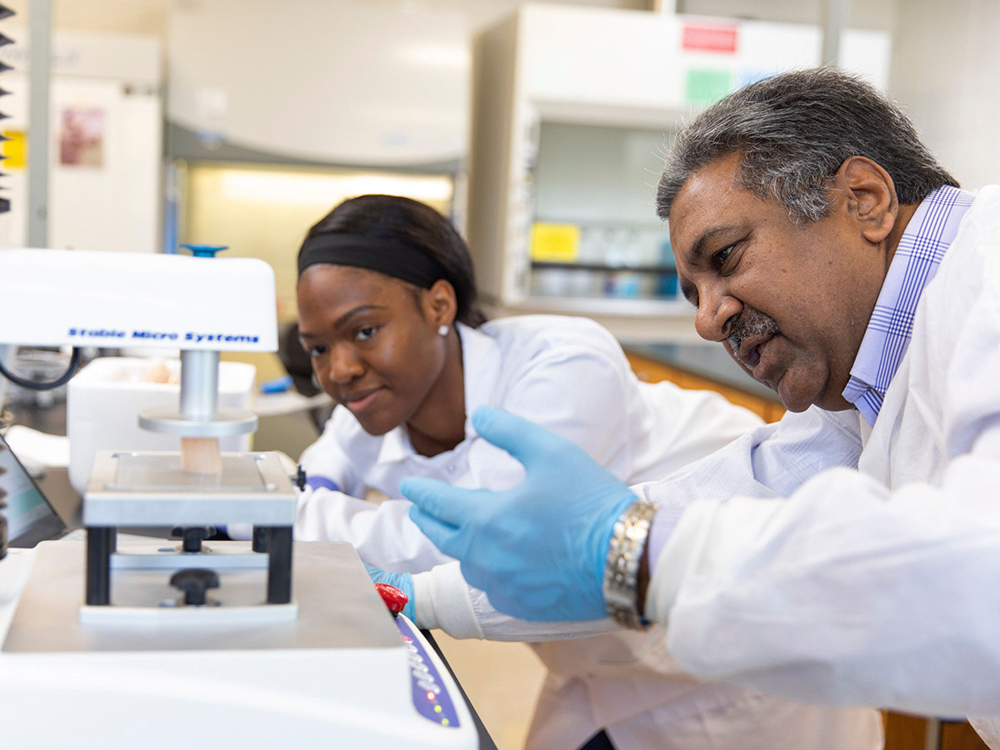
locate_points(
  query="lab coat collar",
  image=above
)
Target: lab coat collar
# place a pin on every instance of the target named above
(480, 370)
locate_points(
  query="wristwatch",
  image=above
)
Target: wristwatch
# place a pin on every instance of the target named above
(621, 569)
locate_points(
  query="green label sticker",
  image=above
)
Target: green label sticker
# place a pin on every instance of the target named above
(706, 86)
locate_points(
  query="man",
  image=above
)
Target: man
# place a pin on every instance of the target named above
(840, 265)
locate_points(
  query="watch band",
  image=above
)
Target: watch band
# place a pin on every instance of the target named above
(621, 569)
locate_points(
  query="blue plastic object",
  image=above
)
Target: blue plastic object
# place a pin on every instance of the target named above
(537, 550)
(278, 385)
(205, 251)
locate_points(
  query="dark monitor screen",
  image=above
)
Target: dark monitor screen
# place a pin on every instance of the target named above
(30, 517)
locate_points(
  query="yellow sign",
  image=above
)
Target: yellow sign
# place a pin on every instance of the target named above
(559, 243)
(15, 150)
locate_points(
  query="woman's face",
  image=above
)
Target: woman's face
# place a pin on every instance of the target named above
(373, 340)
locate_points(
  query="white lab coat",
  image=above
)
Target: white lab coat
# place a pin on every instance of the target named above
(879, 586)
(568, 375)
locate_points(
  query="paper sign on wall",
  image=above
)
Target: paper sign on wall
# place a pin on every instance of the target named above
(705, 86)
(555, 243)
(710, 38)
(15, 149)
(81, 137)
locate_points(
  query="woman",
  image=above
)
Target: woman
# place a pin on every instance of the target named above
(387, 311)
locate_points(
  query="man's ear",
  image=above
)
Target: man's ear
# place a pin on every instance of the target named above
(870, 196)
(441, 303)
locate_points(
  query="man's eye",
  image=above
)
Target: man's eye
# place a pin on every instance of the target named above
(720, 257)
(316, 351)
(365, 333)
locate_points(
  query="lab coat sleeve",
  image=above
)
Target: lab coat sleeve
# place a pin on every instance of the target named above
(774, 459)
(850, 592)
(325, 461)
(580, 391)
(382, 533)
(676, 426)
(843, 593)
(442, 599)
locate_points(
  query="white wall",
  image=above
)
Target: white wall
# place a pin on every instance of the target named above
(862, 14)
(946, 74)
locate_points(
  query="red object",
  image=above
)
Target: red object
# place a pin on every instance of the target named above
(395, 600)
(710, 38)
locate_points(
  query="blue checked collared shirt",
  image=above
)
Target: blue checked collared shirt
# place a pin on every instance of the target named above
(931, 229)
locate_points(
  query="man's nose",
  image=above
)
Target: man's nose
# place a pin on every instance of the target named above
(716, 313)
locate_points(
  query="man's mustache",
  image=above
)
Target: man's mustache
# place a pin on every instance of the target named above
(751, 322)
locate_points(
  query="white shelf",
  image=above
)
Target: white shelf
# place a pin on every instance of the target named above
(632, 320)
(591, 306)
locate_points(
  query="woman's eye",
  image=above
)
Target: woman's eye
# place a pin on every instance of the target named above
(365, 333)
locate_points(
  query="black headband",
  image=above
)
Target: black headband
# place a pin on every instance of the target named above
(385, 256)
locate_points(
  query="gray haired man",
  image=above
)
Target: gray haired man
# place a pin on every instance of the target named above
(839, 264)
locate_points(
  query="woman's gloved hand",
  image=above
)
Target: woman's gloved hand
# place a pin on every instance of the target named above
(402, 581)
(538, 550)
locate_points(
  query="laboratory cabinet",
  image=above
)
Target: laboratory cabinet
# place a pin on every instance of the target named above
(573, 112)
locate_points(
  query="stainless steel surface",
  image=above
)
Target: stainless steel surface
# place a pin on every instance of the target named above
(146, 472)
(199, 415)
(199, 384)
(253, 488)
(167, 556)
(338, 607)
(225, 423)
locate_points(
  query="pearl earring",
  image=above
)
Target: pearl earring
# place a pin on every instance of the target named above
(443, 330)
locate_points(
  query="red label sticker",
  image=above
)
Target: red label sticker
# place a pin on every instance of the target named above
(710, 38)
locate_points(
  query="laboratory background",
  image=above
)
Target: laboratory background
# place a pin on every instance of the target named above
(539, 129)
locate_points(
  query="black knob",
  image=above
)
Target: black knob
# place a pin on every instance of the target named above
(300, 478)
(194, 582)
(193, 536)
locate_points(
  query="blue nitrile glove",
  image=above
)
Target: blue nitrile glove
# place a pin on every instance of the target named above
(538, 550)
(402, 581)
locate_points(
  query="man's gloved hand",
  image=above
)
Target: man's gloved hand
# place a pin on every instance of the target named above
(402, 581)
(538, 550)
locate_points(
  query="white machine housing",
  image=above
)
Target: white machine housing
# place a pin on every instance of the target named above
(106, 299)
(345, 676)
(124, 662)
